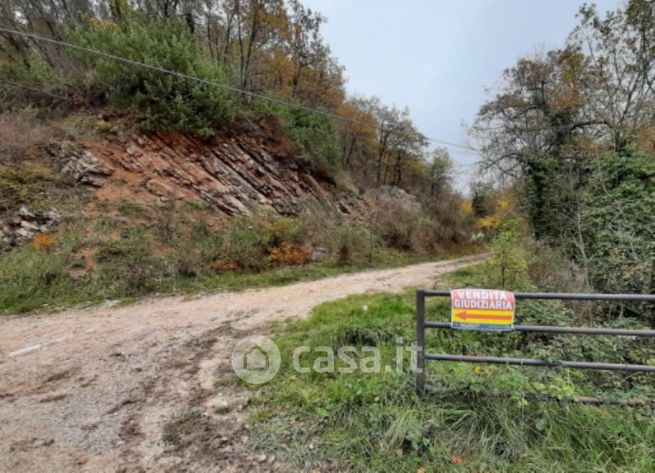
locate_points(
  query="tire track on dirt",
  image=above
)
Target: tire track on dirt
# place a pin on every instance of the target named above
(107, 388)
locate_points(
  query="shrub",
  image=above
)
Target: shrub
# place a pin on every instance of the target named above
(138, 276)
(401, 222)
(188, 262)
(254, 242)
(161, 101)
(510, 262)
(286, 230)
(618, 224)
(32, 68)
(407, 231)
(287, 255)
(246, 242)
(314, 136)
(551, 271)
(42, 84)
(353, 243)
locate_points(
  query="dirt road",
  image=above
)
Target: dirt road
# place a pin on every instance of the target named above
(135, 388)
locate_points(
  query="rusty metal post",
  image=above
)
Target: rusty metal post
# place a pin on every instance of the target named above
(420, 341)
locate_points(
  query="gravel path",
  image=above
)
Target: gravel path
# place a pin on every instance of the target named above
(133, 388)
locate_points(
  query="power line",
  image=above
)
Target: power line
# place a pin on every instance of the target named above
(211, 83)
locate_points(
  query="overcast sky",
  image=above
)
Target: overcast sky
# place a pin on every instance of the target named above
(438, 57)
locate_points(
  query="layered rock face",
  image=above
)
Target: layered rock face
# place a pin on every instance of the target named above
(235, 174)
(24, 225)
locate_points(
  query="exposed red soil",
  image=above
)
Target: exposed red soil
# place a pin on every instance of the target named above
(236, 172)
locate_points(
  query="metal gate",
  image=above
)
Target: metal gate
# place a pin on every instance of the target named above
(422, 324)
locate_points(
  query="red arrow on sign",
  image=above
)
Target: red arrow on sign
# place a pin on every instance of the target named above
(466, 315)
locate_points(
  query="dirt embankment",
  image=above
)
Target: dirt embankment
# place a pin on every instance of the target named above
(135, 388)
(236, 172)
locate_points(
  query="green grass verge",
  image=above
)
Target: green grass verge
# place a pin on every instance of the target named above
(37, 280)
(475, 418)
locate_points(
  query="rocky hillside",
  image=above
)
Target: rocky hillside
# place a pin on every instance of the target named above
(239, 172)
(236, 173)
(92, 210)
(118, 180)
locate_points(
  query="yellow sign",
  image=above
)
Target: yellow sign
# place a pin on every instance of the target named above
(482, 309)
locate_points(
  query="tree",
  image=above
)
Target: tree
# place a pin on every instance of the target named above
(306, 47)
(407, 144)
(440, 172)
(561, 121)
(557, 111)
(620, 61)
(356, 133)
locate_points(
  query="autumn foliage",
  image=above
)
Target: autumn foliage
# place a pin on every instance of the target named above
(43, 242)
(288, 255)
(264, 47)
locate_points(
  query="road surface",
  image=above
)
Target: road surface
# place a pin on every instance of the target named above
(134, 388)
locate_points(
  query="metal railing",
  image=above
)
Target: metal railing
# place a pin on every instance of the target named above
(422, 325)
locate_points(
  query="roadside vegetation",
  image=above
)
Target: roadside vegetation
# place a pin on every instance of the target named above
(569, 137)
(128, 251)
(108, 250)
(571, 131)
(473, 417)
(272, 48)
(565, 202)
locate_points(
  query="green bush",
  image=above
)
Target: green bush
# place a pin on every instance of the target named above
(313, 134)
(24, 183)
(286, 229)
(161, 101)
(508, 268)
(353, 242)
(33, 69)
(618, 224)
(246, 242)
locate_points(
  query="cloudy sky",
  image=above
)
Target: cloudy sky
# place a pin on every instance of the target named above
(440, 57)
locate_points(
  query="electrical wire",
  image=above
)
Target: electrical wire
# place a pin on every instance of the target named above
(212, 83)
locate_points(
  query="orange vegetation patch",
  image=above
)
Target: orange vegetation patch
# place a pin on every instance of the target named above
(289, 255)
(43, 241)
(89, 258)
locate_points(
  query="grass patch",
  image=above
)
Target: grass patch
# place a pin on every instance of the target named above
(307, 272)
(475, 418)
(131, 260)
